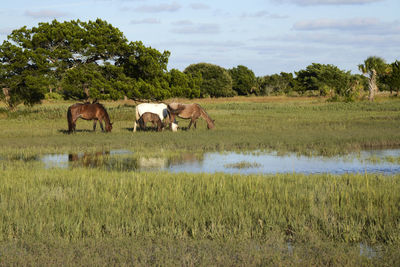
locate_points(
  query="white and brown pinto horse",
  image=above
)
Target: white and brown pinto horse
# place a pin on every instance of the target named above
(159, 109)
(190, 111)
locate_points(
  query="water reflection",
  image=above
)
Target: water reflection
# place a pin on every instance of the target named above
(368, 251)
(264, 163)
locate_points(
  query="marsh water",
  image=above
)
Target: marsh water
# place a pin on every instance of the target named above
(372, 161)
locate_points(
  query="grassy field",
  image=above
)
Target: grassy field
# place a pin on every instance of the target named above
(97, 217)
(91, 216)
(300, 125)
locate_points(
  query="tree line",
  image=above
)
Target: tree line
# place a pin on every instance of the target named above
(81, 60)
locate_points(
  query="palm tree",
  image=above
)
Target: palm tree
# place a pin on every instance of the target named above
(372, 66)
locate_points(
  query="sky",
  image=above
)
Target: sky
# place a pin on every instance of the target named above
(266, 36)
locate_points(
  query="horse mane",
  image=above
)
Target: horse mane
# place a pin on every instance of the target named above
(102, 107)
(105, 111)
(99, 104)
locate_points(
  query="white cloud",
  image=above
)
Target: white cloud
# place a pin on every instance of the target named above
(359, 25)
(327, 2)
(334, 40)
(159, 8)
(183, 23)
(45, 13)
(198, 6)
(146, 21)
(204, 28)
(263, 14)
(205, 43)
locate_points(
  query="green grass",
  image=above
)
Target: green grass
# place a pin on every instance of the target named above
(306, 127)
(80, 203)
(161, 252)
(76, 206)
(94, 216)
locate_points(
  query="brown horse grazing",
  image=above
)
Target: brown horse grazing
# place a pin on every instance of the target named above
(150, 117)
(88, 111)
(189, 111)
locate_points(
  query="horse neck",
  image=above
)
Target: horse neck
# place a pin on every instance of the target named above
(205, 116)
(106, 117)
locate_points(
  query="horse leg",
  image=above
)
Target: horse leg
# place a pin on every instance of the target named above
(154, 124)
(190, 123)
(134, 126)
(172, 119)
(101, 125)
(70, 127)
(74, 125)
(94, 125)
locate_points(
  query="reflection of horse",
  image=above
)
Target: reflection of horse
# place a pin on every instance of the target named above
(89, 159)
(159, 109)
(88, 111)
(190, 111)
(150, 117)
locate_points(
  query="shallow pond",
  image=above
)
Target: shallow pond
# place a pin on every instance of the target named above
(374, 161)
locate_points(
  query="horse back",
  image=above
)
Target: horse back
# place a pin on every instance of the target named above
(159, 109)
(88, 111)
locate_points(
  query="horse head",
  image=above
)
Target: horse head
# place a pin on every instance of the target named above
(109, 127)
(211, 124)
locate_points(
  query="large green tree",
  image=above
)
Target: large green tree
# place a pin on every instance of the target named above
(216, 81)
(243, 80)
(373, 66)
(325, 79)
(79, 59)
(23, 75)
(392, 78)
(147, 67)
(282, 83)
(91, 80)
(66, 45)
(141, 62)
(50, 53)
(184, 85)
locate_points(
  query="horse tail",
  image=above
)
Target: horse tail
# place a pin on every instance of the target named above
(137, 113)
(136, 118)
(69, 118)
(142, 124)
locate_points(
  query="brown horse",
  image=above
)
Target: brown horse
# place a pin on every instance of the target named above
(190, 111)
(88, 111)
(150, 117)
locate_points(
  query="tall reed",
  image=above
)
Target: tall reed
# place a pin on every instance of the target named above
(87, 203)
